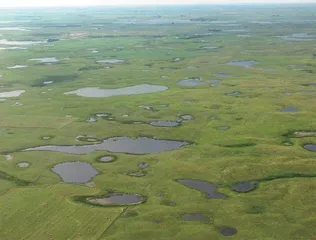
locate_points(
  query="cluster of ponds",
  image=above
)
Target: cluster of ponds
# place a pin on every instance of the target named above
(193, 82)
(157, 123)
(81, 172)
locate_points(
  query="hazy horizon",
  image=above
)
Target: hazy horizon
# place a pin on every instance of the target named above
(61, 3)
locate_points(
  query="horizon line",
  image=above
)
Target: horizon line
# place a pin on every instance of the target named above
(160, 4)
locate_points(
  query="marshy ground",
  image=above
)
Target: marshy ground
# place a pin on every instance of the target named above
(158, 123)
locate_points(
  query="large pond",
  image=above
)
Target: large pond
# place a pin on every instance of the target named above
(141, 145)
(95, 92)
(20, 43)
(17, 66)
(11, 94)
(45, 60)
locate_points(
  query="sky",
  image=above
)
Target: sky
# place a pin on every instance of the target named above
(32, 3)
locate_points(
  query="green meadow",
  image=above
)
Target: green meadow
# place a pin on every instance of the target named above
(243, 128)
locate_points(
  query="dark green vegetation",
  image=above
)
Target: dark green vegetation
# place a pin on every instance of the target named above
(243, 122)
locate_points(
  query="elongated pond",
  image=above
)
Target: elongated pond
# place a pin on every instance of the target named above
(242, 63)
(11, 94)
(45, 60)
(117, 199)
(95, 92)
(141, 145)
(209, 188)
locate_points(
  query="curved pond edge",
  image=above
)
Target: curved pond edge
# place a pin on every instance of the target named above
(272, 178)
(84, 199)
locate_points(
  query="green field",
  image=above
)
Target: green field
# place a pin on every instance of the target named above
(240, 131)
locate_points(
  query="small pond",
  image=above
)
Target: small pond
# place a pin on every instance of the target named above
(310, 147)
(111, 61)
(289, 109)
(143, 165)
(221, 75)
(91, 120)
(117, 199)
(245, 186)
(242, 63)
(193, 82)
(186, 117)
(209, 47)
(165, 123)
(46, 137)
(107, 159)
(136, 173)
(23, 164)
(45, 60)
(227, 231)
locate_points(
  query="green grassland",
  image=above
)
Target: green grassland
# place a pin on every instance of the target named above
(36, 205)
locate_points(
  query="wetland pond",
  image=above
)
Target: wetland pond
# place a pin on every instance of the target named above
(242, 63)
(227, 231)
(45, 60)
(244, 187)
(193, 82)
(209, 47)
(298, 37)
(186, 117)
(221, 75)
(95, 92)
(289, 109)
(107, 159)
(209, 188)
(75, 172)
(165, 123)
(310, 147)
(20, 43)
(143, 165)
(23, 164)
(16, 93)
(117, 199)
(17, 66)
(141, 145)
(111, 61)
